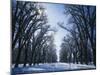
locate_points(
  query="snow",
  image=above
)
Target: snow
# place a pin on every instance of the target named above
(33, 69)
(51, 67)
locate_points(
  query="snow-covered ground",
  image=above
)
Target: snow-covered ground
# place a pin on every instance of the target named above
(51, 67)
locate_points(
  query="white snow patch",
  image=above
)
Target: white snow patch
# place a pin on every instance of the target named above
(52, 67)
(33, 69)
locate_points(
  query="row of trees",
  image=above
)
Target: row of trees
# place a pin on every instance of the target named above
(79, 46)
(32, 38)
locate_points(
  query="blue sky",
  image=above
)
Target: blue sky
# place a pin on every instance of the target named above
(55, 14)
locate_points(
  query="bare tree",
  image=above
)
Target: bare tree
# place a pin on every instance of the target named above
(29, 32)
(83, 30)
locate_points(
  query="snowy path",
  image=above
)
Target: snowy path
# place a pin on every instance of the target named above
(53, 67)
